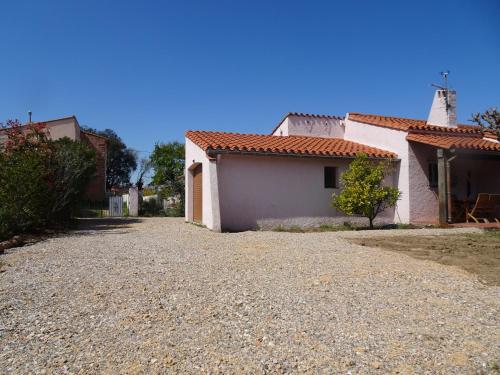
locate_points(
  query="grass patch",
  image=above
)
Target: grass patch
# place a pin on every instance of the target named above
(346, 226)
(321, 228)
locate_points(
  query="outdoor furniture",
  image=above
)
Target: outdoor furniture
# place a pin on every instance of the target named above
(485, 208)
(459, 209)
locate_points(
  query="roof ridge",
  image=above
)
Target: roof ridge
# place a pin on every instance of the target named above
(52, 120)
(302, 114)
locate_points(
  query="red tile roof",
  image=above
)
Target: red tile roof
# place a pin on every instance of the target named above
(469, 137)
(288, 145)
(407, 124)
(385, 121)
(448, 141)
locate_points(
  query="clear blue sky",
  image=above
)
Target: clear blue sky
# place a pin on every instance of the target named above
(153, 69)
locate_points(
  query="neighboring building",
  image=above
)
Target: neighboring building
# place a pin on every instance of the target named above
(69, 127)
(243, 181)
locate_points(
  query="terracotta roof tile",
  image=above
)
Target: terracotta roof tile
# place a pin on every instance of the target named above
(294, 145)
(410, 124)
(300, 114)
(467, 142)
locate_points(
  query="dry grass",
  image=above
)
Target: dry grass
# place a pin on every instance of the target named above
(476, 253)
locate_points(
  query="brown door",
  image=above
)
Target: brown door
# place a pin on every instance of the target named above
(197, 194)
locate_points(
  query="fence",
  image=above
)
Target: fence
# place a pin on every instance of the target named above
(116, 206)
(119, 206)
(93, 209)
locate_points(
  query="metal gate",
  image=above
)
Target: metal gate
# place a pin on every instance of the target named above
(116, 206)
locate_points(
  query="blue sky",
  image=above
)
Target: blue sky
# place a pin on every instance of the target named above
(151, 70)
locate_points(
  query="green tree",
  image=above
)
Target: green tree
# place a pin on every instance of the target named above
(168, 163)
(121, 161)
(362, 190)
(489, 120)
(73, 165)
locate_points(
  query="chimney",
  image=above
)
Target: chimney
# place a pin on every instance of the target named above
(29, 117)
(444, 108)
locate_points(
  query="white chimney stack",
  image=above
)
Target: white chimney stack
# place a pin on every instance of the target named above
(444, 109)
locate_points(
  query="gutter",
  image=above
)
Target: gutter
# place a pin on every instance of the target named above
(212, 153)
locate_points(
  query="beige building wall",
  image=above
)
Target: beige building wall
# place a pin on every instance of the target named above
(308, 126)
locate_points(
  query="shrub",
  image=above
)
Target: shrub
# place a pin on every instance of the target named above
(151, 207)
(41, 181)
(362, 191)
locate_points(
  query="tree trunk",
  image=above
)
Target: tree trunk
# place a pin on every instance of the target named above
(371, 222)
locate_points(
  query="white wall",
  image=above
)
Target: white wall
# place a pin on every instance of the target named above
(443, 109)
(390, 140)
(265, 192)
(282, 130)
(311, 126)
(210, 195)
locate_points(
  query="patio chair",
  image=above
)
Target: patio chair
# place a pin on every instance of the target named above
(485, 208)
(495, 198)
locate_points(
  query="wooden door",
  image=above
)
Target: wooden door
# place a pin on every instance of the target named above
(197, 194)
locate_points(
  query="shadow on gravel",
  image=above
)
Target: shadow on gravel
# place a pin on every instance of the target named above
(105, 224)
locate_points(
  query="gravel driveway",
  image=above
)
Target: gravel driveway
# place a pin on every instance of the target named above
(162, 296)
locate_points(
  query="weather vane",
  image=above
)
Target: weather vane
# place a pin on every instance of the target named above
(445, 75)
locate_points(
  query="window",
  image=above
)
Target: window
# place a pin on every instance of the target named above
(433, 175)
(330, 177)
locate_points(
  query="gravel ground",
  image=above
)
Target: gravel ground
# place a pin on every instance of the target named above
(162, 296)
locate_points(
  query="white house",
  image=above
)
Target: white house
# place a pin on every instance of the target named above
(243, 181)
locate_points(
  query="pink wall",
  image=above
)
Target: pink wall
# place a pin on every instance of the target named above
(258, 191)
(424, 205)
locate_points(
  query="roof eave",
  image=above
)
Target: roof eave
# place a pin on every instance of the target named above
(212, 152)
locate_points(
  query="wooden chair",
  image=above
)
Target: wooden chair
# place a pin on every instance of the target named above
(485, 208)
(495, 198)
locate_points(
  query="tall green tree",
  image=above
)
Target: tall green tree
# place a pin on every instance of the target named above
(73, 165)
(489, 120)
(168, 163)
(121, 161)
(363, 192)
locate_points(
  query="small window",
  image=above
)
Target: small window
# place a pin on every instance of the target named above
(330, 177)
(433, 175)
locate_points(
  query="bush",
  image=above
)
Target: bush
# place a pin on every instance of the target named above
(151, 207)
(363, 192)
(41, 181)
